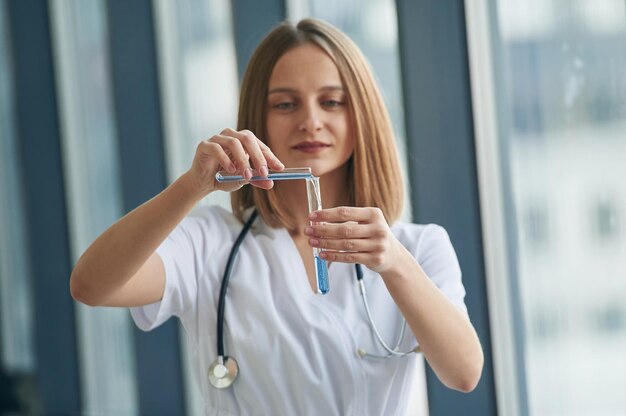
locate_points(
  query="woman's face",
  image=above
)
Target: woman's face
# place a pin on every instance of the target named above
(308, 120)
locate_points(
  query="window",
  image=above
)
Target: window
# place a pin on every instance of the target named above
(536, 226)
(604, 221)
(92, 178)
(549, 101)
(200, 97)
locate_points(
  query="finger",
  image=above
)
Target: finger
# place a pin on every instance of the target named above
(208, 149)
(343, 214)
(343, 231)
(237, 153)
(266, 157)
(352, 244)
(263, 184)
(272, 160)
(362, 258)
(251, 145)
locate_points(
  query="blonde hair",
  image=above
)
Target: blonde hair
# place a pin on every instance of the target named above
(374, 178)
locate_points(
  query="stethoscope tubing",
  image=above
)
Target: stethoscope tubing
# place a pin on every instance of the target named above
(221, 306)
(391, 352)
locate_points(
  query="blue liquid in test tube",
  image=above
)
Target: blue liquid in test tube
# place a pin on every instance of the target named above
(321, 270)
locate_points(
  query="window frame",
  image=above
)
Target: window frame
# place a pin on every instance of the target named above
(504, 308)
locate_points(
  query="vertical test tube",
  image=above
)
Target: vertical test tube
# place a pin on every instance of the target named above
(315, 203)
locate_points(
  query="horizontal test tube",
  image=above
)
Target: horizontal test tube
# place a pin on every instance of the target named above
(285, 174)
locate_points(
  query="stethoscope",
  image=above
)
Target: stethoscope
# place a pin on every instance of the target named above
(224, 370)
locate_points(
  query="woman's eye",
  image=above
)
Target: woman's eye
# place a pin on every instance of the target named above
(331, 103)
(285, 105)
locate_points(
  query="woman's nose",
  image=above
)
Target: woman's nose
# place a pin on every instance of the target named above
(311, 120)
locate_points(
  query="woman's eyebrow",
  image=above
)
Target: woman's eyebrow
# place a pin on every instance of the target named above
(293, 90)
(332, 88)
(281, 89)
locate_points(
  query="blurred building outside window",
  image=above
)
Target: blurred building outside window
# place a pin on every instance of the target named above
(549, 96)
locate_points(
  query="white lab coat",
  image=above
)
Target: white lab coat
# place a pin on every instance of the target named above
(296, 350)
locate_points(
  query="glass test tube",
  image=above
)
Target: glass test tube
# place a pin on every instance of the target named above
(285, 174)
(315, 203)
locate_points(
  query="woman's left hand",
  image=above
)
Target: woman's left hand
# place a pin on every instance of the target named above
(354, 235)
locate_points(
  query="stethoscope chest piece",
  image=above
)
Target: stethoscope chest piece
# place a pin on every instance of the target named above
(223, 372)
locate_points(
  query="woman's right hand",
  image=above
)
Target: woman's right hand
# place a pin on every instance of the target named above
(236, 152)
(121, 268)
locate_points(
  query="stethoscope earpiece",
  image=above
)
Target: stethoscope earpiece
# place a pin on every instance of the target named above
(222, 373)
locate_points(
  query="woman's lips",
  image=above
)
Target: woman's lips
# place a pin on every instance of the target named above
(311, 147)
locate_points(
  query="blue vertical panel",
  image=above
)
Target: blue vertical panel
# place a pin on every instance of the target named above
(442, 166)
(252, 21)
(39, 150)
(138, 115)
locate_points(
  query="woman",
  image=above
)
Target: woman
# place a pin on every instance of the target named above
(307, 99)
